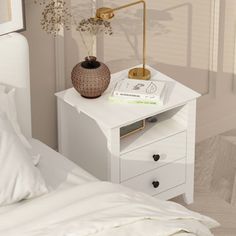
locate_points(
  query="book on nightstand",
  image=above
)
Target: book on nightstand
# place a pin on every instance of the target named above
(139, 91)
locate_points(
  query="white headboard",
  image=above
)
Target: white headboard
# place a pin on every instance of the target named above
(14, 72)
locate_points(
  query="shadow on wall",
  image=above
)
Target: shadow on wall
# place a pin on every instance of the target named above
(169, 44)
(179, 36)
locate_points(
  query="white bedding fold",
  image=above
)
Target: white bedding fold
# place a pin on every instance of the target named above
(101, 208)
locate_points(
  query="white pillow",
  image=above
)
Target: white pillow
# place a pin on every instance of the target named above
(19, 178)
(8, 106)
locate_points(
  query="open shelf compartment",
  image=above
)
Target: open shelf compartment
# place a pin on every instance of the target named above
(168, 123)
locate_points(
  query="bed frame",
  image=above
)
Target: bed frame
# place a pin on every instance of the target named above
(14, 72)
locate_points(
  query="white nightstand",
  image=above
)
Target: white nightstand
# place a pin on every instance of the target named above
(89, 135)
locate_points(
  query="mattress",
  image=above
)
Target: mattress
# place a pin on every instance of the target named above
(58, 171)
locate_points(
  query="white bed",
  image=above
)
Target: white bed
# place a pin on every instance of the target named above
(77, 203)
(58, 171)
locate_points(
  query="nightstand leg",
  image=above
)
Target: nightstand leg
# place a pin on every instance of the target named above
(188, 197)
(190, 161)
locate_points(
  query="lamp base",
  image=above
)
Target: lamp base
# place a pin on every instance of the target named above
(140, 73)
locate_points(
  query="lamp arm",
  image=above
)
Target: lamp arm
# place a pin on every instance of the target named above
(106, 13)
(144, 24)
(129, 5)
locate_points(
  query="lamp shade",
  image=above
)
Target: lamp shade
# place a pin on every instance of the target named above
(105, 13)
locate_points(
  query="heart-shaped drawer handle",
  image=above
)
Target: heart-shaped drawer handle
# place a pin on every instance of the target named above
(156, 157)
(156, 184)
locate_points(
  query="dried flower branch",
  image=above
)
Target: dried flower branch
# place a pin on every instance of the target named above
(41, 2)
(93, 27)
(56, 15)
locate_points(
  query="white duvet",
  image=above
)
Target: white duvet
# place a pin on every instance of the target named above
(101, 209)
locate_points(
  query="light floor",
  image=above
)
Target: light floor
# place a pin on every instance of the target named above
(215, 182)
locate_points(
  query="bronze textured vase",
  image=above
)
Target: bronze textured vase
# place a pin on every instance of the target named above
(90, 77)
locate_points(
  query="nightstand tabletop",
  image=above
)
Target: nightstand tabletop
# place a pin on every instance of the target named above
(113, 115)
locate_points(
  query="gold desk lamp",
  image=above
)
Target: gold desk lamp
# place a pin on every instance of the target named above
(108, 13)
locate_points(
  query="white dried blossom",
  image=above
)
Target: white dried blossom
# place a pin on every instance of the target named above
(56, 15)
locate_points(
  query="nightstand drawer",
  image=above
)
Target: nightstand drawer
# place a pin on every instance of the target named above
(152, 156)
(159, 180)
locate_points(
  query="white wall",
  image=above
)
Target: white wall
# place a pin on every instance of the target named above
(180, 44)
